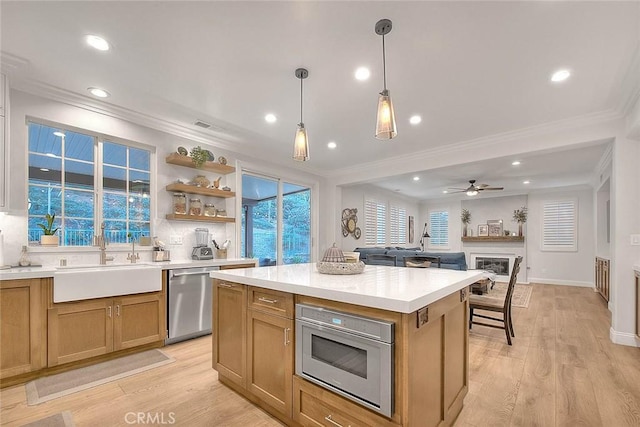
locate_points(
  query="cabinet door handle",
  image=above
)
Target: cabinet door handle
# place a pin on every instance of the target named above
(328, 418)
(270, 301)
(286, 336)
(109, 311)
(225, 285)
(118, 310)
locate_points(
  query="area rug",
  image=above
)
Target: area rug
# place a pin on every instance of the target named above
(54, 386)
(521, 294)
(63, 419)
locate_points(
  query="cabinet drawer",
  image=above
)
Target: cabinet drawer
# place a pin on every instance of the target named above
(270, 301)
(314, 406)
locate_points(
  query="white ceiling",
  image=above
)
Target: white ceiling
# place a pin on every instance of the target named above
(470, 69)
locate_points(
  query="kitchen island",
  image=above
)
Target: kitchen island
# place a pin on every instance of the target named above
(254, 340)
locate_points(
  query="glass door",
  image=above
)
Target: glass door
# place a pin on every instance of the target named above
(276, 221)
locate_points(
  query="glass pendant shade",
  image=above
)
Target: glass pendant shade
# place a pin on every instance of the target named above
(301, 144)
(386, 119)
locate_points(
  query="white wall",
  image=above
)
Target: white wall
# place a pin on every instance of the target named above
(354, 196)
(568, 268)
(14, 226)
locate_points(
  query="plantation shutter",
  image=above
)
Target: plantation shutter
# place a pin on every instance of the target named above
(559, 226)
(438, 229)
(398, 225)
(375, 230)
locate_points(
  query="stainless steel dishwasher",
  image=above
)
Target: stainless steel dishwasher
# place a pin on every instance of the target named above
(189, 303)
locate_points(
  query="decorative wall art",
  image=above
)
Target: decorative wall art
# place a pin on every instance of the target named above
(410, 228)
(483, 230)
(349, 223)
(495, 227)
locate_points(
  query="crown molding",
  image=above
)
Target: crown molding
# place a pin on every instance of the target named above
(12, 64)
(484, 143)
(630, 87)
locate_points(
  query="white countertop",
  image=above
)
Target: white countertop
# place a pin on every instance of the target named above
(49, 271)
(399, 289)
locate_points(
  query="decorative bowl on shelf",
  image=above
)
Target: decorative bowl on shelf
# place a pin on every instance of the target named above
(340, 267)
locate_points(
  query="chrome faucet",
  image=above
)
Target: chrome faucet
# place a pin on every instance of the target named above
(133, 256)
(101, 242)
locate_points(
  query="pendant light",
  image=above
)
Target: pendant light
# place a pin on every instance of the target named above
(386, 120)
(301, 142)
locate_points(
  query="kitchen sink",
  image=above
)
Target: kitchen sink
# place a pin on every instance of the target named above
(74, 283)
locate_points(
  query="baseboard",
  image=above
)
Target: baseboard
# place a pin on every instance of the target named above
(623, 338)
(562, 282)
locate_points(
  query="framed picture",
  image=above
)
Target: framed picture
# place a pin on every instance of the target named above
(410, 228)
(495, 228)
(483, 230)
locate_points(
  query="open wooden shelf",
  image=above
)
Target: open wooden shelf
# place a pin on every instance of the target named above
(494, 239)
(179, 217)
(177, 159)
(203, 191)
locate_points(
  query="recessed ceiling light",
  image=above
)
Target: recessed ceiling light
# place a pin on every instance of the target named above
(97, 42)
(515, 163)
(560, 76)
(100, 93)
(332, 145)
(362, 73)
(414, 120)
(270, 118)
(416, 178)
(444, 191)
(58, 133)
(526, 182)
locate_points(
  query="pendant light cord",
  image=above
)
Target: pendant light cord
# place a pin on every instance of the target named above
(301, 100)
(384, 65)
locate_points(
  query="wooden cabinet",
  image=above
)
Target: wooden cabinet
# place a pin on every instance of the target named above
(253, 342)
(318, 407)
(177, 159)
(270, 349)
(83, 329)
(602, 277)
(23, 327)
(230, 330)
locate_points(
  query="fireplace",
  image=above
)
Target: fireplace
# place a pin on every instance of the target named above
(500, 266)
(500, 263)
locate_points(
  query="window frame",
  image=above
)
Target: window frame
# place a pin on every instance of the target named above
(443, 246)
(98, 140)
(544, 245)
(368, 226)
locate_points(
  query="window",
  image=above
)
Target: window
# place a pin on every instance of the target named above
(438, 229)
(375, 222)
(559, 225)
(397, 225)
(65, 174)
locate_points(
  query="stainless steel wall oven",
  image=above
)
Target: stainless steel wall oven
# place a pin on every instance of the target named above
(347, 353)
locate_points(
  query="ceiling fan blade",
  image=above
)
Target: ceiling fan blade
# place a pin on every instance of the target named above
(491, 188)
(482, 185)
(457, 191)
(457, 188)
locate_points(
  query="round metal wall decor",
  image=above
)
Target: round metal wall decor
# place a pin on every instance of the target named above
(349, 223)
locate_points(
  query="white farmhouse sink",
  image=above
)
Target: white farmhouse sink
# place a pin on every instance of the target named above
(86, 282)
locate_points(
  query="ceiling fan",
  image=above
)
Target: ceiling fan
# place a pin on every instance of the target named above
(474, 189)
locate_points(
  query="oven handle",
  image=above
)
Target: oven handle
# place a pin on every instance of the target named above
(325, 326)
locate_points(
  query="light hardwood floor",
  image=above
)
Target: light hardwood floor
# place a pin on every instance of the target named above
(562, 370)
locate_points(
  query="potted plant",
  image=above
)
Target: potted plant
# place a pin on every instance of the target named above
(465, 217)
(199, 156)
(49, 237)
(520, 216)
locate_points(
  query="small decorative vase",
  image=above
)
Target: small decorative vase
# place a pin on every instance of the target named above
(520, 229)
(201, 181)
(464, 231)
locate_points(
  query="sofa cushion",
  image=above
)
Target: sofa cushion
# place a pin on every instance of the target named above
(449, 260)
